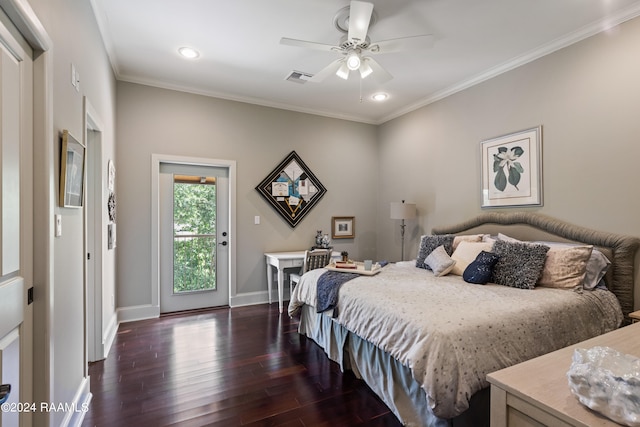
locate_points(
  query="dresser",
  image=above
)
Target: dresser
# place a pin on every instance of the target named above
(536, 392)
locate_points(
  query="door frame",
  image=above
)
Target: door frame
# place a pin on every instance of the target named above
(44, 197)
(156, 160)
(93, 238)
(100, 319)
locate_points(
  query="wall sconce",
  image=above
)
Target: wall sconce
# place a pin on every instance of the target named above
(402, 211)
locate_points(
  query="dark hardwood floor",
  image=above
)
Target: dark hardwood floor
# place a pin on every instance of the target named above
(244, 366)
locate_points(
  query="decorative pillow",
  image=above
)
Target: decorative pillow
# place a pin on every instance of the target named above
(565, 267)
(439, 261)
(597, 267)
(466, 238)
(429, 243)
(466, 252)
(507, 238)
(480, 270)
(520, 264)
(489, 238)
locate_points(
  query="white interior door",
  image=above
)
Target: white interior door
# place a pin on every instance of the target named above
(16, 224)
(194, 237)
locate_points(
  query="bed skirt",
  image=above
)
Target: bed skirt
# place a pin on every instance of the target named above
(387, 377)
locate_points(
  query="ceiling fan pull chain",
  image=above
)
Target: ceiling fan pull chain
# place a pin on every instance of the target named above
(360, 91)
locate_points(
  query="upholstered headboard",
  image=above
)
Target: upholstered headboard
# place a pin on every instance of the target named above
(620, 250)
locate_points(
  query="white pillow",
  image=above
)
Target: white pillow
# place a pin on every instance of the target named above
(508, 238)
(466, 253)
(466, 238)
(439, 261)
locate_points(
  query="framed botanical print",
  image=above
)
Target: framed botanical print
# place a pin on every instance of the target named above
(512, 169)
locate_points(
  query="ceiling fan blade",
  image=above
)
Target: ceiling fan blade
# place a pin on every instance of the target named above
(359, 18)
(327, 71)
(378, 73)
(402, 43)
(308, 45)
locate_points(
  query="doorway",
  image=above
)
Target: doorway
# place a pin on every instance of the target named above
(194, 236)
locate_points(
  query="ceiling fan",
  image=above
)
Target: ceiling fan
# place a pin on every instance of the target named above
(354, 48)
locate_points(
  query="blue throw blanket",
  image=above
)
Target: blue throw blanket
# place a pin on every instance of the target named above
(328, 286)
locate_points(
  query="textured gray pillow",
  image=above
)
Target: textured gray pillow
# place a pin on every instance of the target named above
(439, 261)
(520, 264)
(597, 267)
(429, 243)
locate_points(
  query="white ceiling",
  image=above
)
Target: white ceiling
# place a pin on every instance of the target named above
(242, 58)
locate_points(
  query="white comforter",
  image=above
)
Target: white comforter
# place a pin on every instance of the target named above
(451, 334)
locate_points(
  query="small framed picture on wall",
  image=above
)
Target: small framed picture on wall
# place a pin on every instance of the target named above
(343, 227)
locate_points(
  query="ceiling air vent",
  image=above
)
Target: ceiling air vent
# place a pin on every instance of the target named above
(299, 77)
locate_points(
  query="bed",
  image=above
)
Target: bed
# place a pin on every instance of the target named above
(424, 343)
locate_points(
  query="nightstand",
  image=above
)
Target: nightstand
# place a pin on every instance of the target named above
(635, 316)
(536, 393)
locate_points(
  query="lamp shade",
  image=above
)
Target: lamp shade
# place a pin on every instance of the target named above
(402, 210)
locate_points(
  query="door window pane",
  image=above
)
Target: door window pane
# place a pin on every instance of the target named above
(194, 242)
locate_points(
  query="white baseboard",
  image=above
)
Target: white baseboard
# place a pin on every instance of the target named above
(261, 297)
(138, 312)
(143, 312)
(250, 298)
(110, 334)
(77, 409)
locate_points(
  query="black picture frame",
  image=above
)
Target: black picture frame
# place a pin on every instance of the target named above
(291, 189)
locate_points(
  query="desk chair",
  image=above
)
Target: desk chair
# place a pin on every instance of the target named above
(316, 258)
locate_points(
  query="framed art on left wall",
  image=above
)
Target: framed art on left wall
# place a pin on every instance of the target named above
(72, 157)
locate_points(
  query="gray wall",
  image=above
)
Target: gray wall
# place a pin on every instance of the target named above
(586, 99)
(343, 155)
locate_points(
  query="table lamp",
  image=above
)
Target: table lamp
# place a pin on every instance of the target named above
(402, 211)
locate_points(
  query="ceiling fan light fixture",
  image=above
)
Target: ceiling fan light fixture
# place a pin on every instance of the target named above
(353, 61)
(343, 71)
(365, 68)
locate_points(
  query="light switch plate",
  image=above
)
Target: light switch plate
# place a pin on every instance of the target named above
(58, 231)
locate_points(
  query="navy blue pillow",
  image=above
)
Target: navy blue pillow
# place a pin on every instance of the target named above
(481, 269)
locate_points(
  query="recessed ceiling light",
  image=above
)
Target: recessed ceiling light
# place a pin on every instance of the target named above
(188, 52)
(381, 96)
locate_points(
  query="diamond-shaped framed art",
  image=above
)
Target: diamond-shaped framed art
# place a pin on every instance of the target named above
(292, 189)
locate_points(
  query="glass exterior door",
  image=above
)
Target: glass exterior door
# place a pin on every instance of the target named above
(194, 251)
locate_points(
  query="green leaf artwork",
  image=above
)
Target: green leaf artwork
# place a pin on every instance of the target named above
(506, 159)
